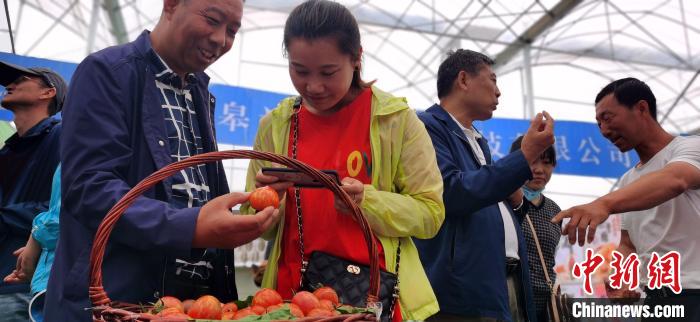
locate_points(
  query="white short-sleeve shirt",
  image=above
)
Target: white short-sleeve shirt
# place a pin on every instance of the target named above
(673, 225)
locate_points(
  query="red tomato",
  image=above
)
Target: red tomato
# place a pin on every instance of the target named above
(327, 305)
(186, 304)
(266, 297)
(243, 313)
(273, 308)
(205, 307)
(264, 197)
(173, 313)
(170, 302)
(327, 293)
(318, 312)
(229, 307)
(306, 301)
(295, 310)
(257, 309)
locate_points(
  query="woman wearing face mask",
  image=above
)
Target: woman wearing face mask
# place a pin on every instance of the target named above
(541, 211)
(375, 142)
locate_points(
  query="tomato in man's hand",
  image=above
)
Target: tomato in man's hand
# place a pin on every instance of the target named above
(263, 197)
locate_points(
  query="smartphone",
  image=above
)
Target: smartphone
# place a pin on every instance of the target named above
(299, 178)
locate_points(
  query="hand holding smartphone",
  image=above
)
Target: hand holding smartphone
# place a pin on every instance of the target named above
(300, 179)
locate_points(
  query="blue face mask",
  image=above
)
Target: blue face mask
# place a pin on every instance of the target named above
(531, 194)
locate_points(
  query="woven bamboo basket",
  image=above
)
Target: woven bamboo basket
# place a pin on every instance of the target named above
(106, 310)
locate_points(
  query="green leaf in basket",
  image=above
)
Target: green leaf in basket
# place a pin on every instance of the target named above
(347, 309)
(281, 314)
(157, 307)
(242, 304)
(251, 318)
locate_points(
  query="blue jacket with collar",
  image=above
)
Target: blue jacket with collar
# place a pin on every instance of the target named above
(465, 262)
(30, 194)
(115, 137)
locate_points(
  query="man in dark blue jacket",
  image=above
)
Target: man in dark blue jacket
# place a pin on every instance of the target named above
(132, 110)
(477, 264)
(27, 161)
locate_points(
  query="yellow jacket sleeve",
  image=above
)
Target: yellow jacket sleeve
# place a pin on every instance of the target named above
(409, 199)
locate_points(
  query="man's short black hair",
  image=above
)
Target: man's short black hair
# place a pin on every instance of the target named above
(549, 154)
(456, 61)
(628, 91)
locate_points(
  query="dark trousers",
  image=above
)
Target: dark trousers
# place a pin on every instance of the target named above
(516, 298)
(516, 301)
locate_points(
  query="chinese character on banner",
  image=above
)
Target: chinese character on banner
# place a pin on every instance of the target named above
(626, 271)
(495, 145)
(587, 268)
(590, 151)
(234, 116)
(665, 271)
(618, 156)
(561, 148)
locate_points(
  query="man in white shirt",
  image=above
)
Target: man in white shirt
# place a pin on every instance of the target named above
(659, 198)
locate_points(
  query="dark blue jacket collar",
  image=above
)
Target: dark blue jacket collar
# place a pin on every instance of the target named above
(440, 114)
(44, 126)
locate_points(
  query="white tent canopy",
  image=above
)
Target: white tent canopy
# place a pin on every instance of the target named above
(551, 54)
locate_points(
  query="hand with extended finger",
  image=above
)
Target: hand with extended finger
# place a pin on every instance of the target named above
(27, 259)
(18, 275)
(583, 218)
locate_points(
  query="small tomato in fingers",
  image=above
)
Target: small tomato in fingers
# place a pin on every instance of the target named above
(264, 197)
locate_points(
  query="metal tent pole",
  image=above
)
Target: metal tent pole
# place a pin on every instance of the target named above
(9, 26)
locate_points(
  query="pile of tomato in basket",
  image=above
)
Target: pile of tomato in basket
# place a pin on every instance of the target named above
(266, 304)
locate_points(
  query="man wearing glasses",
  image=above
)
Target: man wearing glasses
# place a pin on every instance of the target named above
(27, 163)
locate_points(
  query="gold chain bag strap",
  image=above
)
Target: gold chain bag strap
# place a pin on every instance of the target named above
(557, 308)
(350, 280)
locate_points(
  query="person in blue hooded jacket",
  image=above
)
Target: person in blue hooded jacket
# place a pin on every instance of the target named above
(477, 263)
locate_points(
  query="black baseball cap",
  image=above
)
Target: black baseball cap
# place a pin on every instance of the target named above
(10, 72)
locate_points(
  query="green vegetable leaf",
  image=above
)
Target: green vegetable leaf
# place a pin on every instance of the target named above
(242, 304)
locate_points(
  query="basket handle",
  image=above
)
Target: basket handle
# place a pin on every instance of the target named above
(99, 297)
